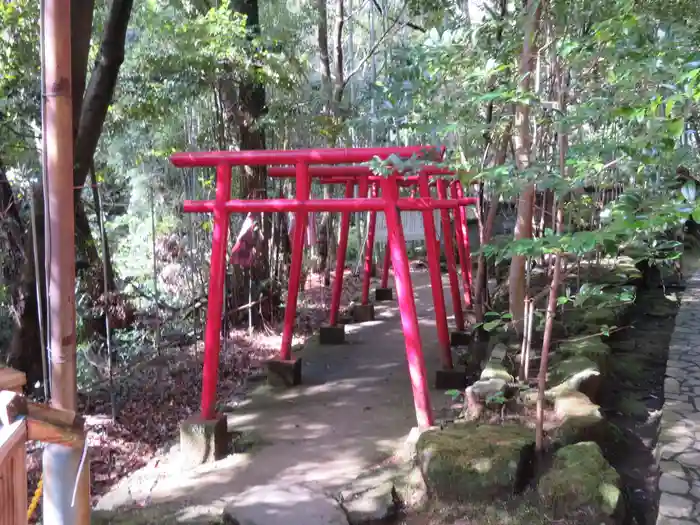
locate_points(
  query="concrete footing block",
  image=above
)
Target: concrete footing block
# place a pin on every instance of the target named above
(203, 440)
(384, 294)
(362, 313)
(284, 373)
(460, 338)
(332, 335)
(450, 379)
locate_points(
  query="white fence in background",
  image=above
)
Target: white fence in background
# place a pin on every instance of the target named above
(412, 226)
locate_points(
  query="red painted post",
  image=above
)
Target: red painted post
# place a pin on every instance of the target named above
(212, 334)
(467, 248)
(464, 258)
(369, 249)
(387, 263)
(450, 256)
(340, 258)
(290, 312)
(431, 246)
(407, 305)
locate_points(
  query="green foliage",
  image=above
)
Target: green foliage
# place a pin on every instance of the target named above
(494, 321)
(19, 79)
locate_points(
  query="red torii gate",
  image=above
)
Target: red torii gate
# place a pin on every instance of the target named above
(351, 175)
(389, 203)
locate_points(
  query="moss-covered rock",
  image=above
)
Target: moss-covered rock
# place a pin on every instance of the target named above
(580, 480)
(592, 348)
(601, 316)
(663, 308)
(570, 367)
(494, 369)
(575, 404)
(472, 461)
(579, 374)
(591, 427)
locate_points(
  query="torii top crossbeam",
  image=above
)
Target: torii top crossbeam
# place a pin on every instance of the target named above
(305, 156)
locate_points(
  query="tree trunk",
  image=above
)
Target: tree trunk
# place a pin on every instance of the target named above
(523, 145)
(323, 46)
(26, 346)
(93, 111)
(81, 14)
(563, 147)
(243, 105)
(251, 107)
(481, 276)
(89, 115)
(106, 256)
(9, 214)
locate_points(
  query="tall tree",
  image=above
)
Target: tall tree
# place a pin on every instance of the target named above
(522, 139)
(245, 105)
(90, 106)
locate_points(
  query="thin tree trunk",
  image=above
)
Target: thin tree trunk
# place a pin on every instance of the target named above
(323, 45)
(522, 139)
(556, 280)
(26, 345)
(108, 274)
(481, 277)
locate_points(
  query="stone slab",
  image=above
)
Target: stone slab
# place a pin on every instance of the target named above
(450, 379)
(332, 335)
(460, 338)
(203, 440)
(284, 505)
(283, 373)
(362, 313)
(383, 294)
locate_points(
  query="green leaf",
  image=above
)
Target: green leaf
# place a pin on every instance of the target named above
(492, 325)
(562, 300)
(676, 127)
(453, 393)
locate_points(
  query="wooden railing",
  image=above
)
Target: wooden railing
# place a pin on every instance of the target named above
(13, 458)
(13, 473)
(22, 420)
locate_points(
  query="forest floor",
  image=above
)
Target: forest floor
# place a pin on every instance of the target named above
(162, 390)
(353, 411)
(155, 400)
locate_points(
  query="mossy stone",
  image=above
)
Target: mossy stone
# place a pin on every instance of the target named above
(592, 348)
(569, 368)
(473, 461)
(580, 479)
(592, 427)
(601, 316)
(494, 369)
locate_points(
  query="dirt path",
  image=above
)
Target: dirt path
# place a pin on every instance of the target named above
(353, 411)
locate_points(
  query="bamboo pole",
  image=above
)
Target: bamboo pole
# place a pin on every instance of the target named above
(63, 466)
